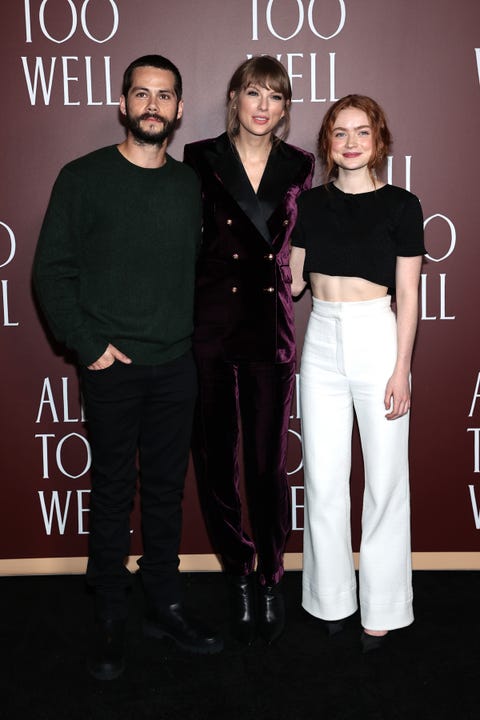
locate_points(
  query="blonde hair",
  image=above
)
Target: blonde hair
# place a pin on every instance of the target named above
(263, 70)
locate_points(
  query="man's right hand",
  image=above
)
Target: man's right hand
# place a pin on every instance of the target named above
(108, 358)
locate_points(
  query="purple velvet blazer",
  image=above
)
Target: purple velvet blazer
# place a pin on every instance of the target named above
(244, 308)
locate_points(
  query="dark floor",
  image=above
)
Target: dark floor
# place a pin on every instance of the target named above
(429, 671)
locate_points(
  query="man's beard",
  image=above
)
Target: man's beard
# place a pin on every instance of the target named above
(150, 138)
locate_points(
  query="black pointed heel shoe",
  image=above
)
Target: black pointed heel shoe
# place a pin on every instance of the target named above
(370, 643)
(271, 613)
(333, 627)
(243, 607)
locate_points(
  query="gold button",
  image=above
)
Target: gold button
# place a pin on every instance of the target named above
(229, 221)
(235, 256)
(234, 289)
(270, 256)
(269, 289)
(285, 222)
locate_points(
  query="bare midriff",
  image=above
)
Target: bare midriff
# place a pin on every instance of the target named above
(334, 288)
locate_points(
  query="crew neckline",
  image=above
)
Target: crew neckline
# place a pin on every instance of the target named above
(140, 167)
(367, 192)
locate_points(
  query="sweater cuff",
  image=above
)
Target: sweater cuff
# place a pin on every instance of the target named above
(87, 347)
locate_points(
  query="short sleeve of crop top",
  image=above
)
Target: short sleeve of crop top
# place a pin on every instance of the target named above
(358, 235)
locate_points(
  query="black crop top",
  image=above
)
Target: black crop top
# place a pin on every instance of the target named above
(358, 235)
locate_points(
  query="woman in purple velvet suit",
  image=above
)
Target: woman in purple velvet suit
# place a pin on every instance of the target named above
(244, 340)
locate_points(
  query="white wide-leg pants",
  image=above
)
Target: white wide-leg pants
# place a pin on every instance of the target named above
(348, 356)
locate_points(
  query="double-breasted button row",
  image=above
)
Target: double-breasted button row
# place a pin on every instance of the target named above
(230, 222)
(270, 289)
(270, 256)
(234, 289)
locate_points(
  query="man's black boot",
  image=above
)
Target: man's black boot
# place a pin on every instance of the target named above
(188, 633)
(106, 658)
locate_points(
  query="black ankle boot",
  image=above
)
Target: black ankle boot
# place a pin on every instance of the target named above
(243, 607)
(271, 612)
(190, 634)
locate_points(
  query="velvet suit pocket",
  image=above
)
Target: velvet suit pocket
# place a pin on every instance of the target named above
(286, 273)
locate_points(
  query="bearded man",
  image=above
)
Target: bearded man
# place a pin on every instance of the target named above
(114, 273)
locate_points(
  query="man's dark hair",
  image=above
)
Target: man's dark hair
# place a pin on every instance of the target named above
(156, 61)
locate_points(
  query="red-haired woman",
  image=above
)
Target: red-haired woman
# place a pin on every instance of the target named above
(357, 242)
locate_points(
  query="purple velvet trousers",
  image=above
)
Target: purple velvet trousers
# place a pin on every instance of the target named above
(251, 399)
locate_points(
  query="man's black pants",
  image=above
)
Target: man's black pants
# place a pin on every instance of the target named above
(149, 410)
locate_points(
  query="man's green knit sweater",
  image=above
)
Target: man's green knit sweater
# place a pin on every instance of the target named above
(116, 257)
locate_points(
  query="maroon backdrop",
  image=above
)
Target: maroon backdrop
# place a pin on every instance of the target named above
(62, 62)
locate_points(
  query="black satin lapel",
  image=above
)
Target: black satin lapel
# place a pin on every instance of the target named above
(235, 180)
(282, 167)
